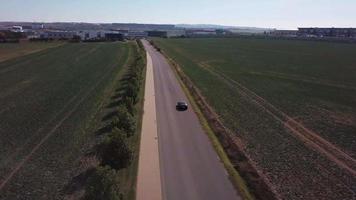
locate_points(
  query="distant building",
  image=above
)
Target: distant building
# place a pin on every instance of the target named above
(284, 33)
(327, 32)
(16, 29)
(133, 34)
(91, 35)
(56, 35)
(201, 32)
(37, 26)
(166, 33)
(176, 33)
(125, 32)
(114, 36)
(162, 34)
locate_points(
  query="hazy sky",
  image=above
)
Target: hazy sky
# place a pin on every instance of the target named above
(259, 13)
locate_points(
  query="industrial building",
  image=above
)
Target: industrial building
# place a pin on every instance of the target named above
(56, 35)
(134, 34)
(327, 32)
(283, 33)
(114, 36)
(201, 32)
(91, 35)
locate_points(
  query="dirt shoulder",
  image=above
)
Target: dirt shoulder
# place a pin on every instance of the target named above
(149, 180)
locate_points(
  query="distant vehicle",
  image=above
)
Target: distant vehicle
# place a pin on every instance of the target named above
(181, 106)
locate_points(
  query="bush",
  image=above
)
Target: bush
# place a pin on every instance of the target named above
(122, 111)
(130, 104)
(132, 91)
(117, 153)
(126, 123)
(103, 184)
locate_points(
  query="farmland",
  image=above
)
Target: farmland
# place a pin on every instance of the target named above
(292, 103)
(12, 50)
(51, 104)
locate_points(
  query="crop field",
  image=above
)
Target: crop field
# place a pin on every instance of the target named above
(292, 103)
(47, 101)
(12, 50)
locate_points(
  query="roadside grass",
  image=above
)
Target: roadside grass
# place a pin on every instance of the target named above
(313, 82)
(13, 50)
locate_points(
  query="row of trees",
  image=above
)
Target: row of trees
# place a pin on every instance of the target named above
(116, 152)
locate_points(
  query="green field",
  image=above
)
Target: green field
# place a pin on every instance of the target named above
(13, 50)
(266, 91)
(49, 108)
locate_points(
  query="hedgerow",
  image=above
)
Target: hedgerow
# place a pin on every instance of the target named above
(116, 152)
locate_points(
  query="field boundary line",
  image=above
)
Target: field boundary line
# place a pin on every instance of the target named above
(49, 134)
(309, 137)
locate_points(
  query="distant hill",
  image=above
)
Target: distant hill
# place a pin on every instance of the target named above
(75, 26)
(203, 26)
(216, 26)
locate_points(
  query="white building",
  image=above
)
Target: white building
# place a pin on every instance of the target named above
(93, 34)
(17, 29)
(37, 26)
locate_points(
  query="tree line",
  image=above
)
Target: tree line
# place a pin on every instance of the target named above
(116, 153)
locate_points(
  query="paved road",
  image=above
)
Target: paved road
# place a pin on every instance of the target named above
(190, 167)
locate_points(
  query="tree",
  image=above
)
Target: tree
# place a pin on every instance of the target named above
(132, 91)
(130, 104)
(117, 153)
(103, 184)
(129, 124)
(122, 111)
(125, 122)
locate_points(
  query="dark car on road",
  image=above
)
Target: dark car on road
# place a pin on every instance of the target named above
(181, 106)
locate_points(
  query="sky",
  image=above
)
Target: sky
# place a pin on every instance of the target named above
(281, 14)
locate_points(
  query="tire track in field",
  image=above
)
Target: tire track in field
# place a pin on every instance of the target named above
(18, 167)
(310, 138)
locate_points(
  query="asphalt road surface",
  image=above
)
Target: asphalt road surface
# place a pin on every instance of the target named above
(190, 168)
